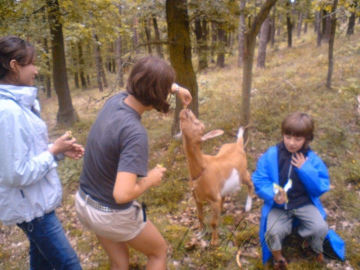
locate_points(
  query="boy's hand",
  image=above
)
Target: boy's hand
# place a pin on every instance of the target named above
(298, 159)
(280, 197)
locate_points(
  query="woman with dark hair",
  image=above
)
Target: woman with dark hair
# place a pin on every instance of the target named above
(116, 156)
(30, 189)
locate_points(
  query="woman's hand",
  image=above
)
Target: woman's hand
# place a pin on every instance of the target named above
(155, 175)
(76, 152)
(62, 144)
(182, 93)
(298, 159)
(127, 188)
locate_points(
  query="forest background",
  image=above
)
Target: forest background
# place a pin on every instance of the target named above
(245, 63)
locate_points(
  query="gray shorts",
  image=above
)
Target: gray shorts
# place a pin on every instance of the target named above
(118, 225)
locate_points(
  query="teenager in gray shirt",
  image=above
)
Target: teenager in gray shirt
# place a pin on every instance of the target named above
(115, 166)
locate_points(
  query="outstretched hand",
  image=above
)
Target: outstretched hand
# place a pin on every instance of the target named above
(183, 94)
(67, 145)
(76, 152)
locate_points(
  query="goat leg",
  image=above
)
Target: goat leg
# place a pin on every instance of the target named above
(216, 208)
(200, 213)
(250, 188)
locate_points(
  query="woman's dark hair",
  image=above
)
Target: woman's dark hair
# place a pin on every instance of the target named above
(150, 82)
(14, 48)
(298, 124)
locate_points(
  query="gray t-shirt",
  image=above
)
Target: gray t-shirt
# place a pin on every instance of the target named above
(117, 142)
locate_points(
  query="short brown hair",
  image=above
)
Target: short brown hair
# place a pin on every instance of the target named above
(298, 124)
(150, 82)
(14, 48)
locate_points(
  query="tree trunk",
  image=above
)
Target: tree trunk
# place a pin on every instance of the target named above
(351, 24)
(250, 38)
(289, 26)
(220, 60)
(278, 32)
(74, 63)
(201, 40)
(264, 37)
(119, 63)
(81, 66)
(331, 44)
(101, 78)
(213, 41)
(157, 38)
(180, 53)
(66, 114)
(318, 20)
(135, 38)
(299, 25)
(148, 35)
(242, 28)
(327, 30)
(48, 67)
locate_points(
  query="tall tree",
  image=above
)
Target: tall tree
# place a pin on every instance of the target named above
(289, 23)
(242, 28)
(157, 37)
(201, 34)
(66, 113)
(264, 38)
(180, 53)
(250, 40)
(221, 38)
(331, 43)
(100, 73)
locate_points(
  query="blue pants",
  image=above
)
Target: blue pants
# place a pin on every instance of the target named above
(49, 247)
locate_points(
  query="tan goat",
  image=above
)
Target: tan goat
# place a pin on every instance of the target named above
(213, 177)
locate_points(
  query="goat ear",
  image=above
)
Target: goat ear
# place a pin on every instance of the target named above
(212, 134)
(358, 98)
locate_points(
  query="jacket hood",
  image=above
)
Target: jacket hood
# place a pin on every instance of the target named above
(25, 95)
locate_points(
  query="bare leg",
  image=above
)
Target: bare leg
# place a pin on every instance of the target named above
(118, 253)
(152, 244)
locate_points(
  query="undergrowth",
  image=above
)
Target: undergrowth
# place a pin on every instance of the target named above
(293, 81)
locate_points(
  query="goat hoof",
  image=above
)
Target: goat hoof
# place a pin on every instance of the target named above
(214, 243)
(201, 234)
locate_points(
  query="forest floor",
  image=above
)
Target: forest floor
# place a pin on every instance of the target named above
(293, 80)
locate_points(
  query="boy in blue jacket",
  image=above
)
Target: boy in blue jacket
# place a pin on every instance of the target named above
(290, 178)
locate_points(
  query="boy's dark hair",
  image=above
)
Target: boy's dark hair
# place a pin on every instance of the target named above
(14, 48)
(150, 82)
(298, 124)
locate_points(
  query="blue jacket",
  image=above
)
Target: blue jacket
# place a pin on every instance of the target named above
(314, 175)
(29, 184)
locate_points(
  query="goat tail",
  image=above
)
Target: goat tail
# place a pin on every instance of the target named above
(240, 136)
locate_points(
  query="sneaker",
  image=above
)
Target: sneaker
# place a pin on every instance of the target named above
(320, 258)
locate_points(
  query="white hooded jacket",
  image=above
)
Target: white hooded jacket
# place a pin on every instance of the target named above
(29, 184)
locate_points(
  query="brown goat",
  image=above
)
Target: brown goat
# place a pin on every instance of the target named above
(213, 177)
